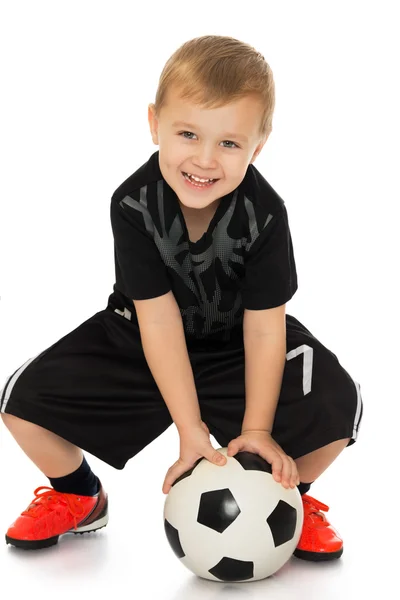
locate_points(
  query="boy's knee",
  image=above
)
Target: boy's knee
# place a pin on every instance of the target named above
(11, 420)
(6, 417)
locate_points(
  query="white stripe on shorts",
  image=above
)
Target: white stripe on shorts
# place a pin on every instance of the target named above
(358, 410)
(10, 384)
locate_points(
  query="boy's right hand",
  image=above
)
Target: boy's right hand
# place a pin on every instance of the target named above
(194, 444)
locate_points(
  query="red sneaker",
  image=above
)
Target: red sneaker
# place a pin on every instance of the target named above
(52, 514)
(318, 540)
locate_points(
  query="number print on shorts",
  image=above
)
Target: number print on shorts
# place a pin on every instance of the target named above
(307, 364)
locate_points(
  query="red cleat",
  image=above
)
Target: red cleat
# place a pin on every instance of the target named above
(52, 514)
(319, 540)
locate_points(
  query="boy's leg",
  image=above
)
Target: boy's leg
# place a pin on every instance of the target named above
(312, 465)
(63, 463)
(51, 514)
(53, 455)
(92, 391)
(92, 388)
(318, 414)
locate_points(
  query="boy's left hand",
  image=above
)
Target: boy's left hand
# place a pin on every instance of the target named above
(284, 468)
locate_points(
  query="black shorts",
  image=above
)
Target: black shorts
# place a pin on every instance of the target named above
(93, 387)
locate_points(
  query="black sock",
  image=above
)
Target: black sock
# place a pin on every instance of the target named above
(82, 482)
(304, 487)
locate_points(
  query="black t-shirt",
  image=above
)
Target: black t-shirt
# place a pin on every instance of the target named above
(244, 260)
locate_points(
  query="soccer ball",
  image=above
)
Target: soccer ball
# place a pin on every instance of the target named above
(235, 522)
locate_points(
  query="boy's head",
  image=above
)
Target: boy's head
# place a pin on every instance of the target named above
(221, 89)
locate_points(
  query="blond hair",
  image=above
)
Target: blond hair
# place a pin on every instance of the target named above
(215, 70)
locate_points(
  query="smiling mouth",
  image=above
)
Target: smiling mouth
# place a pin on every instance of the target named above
(204, 183)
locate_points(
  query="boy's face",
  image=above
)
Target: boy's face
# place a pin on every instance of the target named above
(211, 148)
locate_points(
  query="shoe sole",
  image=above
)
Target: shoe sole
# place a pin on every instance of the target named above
(46, 543)
(317, 556)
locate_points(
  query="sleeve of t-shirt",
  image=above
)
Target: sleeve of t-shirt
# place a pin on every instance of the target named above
(270, 278)
(139, 268)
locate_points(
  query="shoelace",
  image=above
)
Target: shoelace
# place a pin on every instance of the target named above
(313, 507)
(50, 499)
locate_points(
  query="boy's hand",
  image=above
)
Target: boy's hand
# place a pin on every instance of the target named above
(284, 468)
(194, 444)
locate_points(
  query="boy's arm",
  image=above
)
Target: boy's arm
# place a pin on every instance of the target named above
(264, 333)
(165, 350)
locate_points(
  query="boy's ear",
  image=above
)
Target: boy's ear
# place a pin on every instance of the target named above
(153, 123)
(259, 148)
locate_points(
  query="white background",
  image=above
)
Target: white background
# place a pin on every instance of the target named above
(76, 80)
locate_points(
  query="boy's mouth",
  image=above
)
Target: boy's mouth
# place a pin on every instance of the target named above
(195, 182)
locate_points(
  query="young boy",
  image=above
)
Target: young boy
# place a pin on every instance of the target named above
(195, 331)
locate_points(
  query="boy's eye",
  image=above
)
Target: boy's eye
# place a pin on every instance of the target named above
(190, 133)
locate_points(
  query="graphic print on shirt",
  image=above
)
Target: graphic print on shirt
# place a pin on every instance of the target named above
(206, 274)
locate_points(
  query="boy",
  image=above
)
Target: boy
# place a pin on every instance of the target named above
(195, 331)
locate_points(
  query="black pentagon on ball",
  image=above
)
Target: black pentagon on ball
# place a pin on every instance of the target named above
(282, 522)
(253, 462)
(173, 539)
(231, 569)
(217, 509)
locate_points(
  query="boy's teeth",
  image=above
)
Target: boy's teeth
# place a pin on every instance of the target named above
(198, 179)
